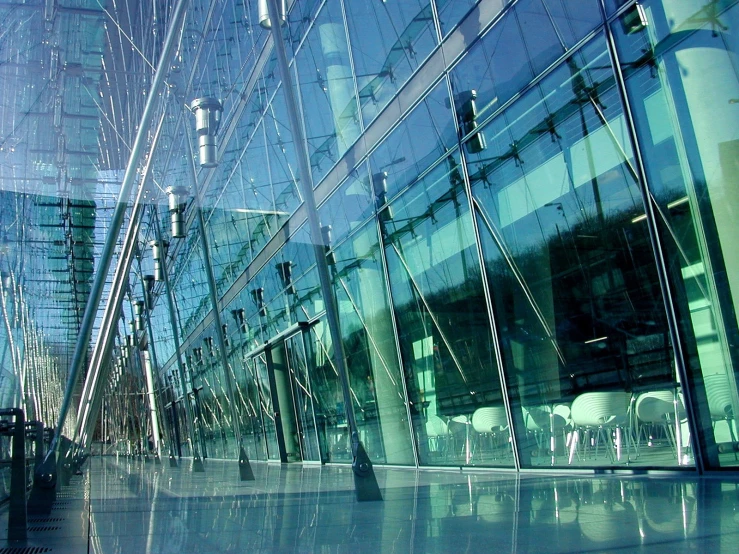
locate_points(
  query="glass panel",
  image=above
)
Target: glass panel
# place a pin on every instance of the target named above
(451, 12)
(328, 400)
(388, 41)
(350, 205)
(260, 372)
(369, 346)
(302, 398)
(573, 19)
(523, 39)
(446, 344)
(326, 84)
(681, 78)
(246, 392)
(423, 137)
(578, 306)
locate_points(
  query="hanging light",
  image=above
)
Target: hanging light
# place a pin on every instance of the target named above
(285, 271)
(224, 330)
(327, 241)
(198, 353)
(264, 20)
(159, 253)
(177, 204)
(258, 296)
(149, 288)
(468, 119)
(138, 311)
(207, 112)
(238, 315)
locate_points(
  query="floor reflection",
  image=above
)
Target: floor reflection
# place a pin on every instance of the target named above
(138, 507)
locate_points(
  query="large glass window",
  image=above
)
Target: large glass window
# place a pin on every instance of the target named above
(389, 40)
(571, 272)
(369, 346)
(326, 84)
(449, 363)
(680, 65)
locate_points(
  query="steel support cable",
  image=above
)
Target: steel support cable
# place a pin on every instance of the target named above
(88, 319)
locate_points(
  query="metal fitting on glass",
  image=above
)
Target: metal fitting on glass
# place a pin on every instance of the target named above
(198, 353)
(468, 119)
(264, 20)
(159, 253)
(138, 312)
(207, 112)
(177, 203)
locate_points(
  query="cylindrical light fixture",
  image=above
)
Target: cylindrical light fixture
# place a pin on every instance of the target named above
(177, 204)
(264, 20)
(327, 241)
(258, 296)
(159, 253)
(224, 330)
(207, 112)
(138, 311)
(149, 288)
(285, 271)
(209, 345)
(238, 315)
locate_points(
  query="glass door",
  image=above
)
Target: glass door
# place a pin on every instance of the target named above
(258, 367)
(302, 398)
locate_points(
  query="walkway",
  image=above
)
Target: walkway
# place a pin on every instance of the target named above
(128, 506)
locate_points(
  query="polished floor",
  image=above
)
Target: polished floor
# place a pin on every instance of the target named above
(129, 506)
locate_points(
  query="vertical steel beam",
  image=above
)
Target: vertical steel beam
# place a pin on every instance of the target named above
(197, 464)
(365, 482)
(245, 471)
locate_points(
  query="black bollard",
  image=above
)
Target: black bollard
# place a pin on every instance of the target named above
(17, 516)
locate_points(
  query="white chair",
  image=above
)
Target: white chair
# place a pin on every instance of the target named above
(599, 415)
(720, 402)
(658, 409)
(547, 424)
(491, 422)
(437, 433)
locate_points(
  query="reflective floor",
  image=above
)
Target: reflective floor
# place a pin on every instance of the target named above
(122, 506)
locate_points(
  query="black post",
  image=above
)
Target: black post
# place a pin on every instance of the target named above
(17, 515)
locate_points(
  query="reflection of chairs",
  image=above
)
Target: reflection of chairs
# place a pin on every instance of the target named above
(719, 401)
(436, 431)
(598, 415)
(656, 409)
(490, 423)
(547, 424)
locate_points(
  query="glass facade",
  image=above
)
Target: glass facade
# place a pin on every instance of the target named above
(527, 210)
